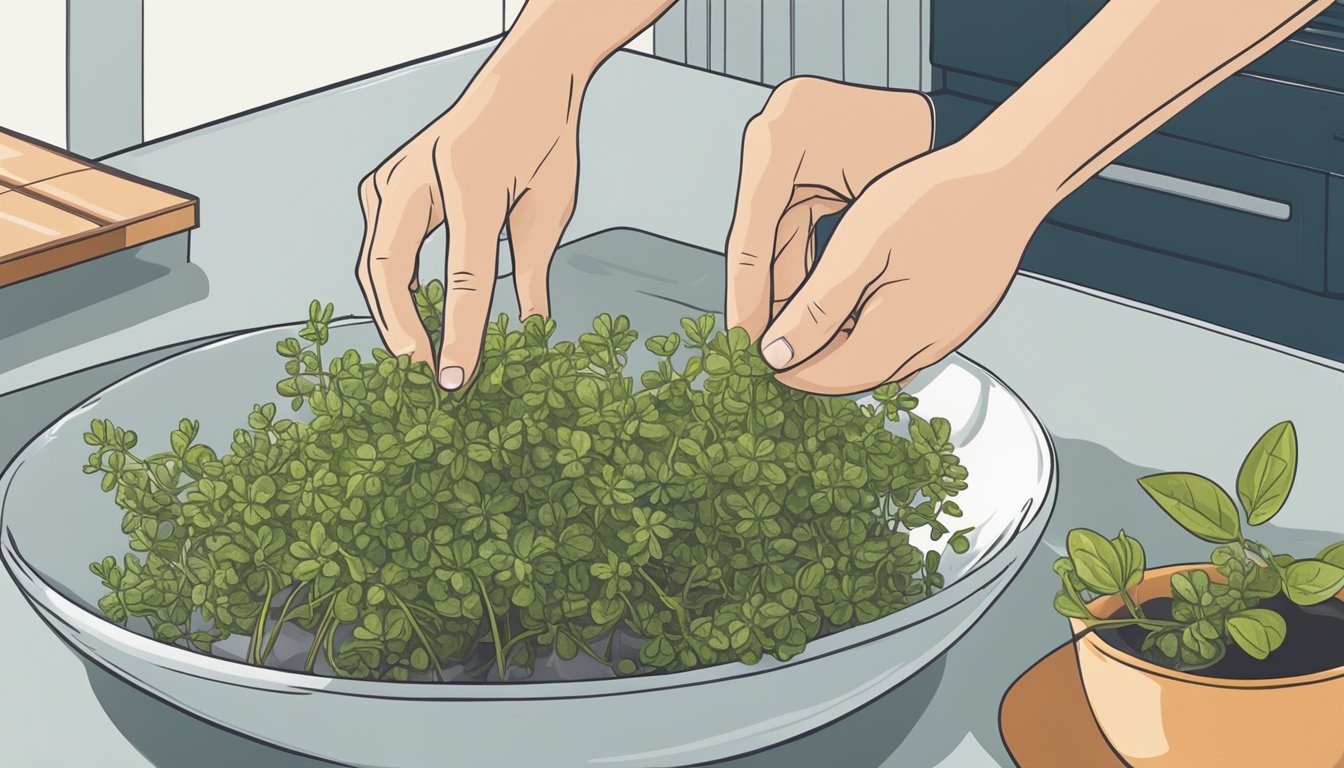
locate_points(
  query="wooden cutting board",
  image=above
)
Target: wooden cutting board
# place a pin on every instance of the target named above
(1046, 721)
(57, 209)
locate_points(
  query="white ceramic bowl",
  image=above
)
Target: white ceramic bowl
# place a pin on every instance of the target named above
(55, 521)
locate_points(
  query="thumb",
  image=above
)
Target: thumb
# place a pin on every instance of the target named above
(765, 186)
(814, 315)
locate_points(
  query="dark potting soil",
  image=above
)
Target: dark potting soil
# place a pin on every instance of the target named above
(1314, 641)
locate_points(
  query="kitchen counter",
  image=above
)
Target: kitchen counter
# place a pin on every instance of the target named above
(1123, 390)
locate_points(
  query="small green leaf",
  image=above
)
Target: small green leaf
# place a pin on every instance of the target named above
(1067, 605)
(1132, 561)
(1096, 561)
(1259, 631)
(1308, 582)
(1333, 554)
(1197, 503)
(1267, 474)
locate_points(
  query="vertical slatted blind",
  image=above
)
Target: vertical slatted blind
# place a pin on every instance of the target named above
(871, 42)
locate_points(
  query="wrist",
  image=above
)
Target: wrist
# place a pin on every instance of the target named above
(1014, 160)
(532, 71)
(551, 42)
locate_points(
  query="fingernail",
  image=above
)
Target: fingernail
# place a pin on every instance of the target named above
(451, 377)
(777, 353)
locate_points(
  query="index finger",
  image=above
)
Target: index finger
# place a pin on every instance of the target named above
(394, 228)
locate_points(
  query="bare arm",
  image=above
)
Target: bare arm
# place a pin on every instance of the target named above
(1134, 66)
(927, 250)
(570, 36)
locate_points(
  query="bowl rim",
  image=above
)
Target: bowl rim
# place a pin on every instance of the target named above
(1110, 603)
(74, 623)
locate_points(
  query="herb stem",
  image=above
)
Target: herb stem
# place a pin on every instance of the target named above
(331, 653)
(284, 616)
(629, 606)
(1134, 609)
(521, 636)
(260, 629)
(494, 628)
(676, 607)
(583, 646)
(420, 633)
(317, 638)
(1145, 623)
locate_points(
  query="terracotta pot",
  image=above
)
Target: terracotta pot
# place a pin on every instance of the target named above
(1156, 717)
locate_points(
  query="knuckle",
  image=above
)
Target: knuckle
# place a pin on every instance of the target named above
(382, 180)
(760, 129)
(793, 93)
(362, 277)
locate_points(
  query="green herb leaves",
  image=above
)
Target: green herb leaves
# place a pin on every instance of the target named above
(549, 508)
(1208, 613)
(1105, 566)
(1258, 631)
(1268, 472)
(1196, 503)
(1308, 582)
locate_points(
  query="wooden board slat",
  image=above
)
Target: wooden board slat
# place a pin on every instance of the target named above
(28, 224)
(23, 161)
(57, 209)
(104, 197)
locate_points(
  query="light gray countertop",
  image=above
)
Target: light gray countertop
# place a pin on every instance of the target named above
(1122, 389)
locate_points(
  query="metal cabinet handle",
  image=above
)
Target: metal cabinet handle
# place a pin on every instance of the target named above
(1194, 190)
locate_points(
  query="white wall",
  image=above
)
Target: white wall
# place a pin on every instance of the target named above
(205, 60)
(32, 68)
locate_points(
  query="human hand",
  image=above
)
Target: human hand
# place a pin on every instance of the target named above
(508, 149)
(806, 155)
(919, 262)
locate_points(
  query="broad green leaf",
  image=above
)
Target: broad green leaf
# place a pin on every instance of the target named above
(1333, 554)
(1132, 561)
(1197, 503)
(1259, 631)
(1096, 561)
(1308, 582)
(1267, 474)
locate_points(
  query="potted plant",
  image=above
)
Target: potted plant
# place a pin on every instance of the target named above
(1238, 661)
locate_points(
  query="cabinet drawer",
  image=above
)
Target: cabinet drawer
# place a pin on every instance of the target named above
(1210, 205)
(1334, 238)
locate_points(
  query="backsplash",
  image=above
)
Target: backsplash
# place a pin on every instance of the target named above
(870, 42)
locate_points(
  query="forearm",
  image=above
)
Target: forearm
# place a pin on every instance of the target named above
(1135, 65)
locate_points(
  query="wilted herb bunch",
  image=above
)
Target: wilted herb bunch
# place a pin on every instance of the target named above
(715, 514)
(1207, 614)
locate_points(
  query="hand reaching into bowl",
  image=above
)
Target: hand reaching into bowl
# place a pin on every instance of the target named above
(806, 155)
(928, 248)
(904, 280)
(507, 150)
